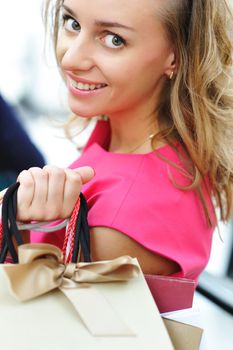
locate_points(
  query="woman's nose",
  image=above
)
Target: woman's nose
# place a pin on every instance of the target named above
(78, 55)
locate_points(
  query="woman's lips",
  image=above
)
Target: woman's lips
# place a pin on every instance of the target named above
(79, 88)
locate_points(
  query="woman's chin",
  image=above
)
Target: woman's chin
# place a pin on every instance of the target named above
(83, 114)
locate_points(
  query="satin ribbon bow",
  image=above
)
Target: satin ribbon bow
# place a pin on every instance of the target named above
(41, 269)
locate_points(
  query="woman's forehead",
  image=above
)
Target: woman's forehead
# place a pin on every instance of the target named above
(130, 9)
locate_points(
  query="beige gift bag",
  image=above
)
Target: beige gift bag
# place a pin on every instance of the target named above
(50, 321)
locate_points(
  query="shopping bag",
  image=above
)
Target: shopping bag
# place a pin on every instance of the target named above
(171, 293)
(50, 321)
(81, 243)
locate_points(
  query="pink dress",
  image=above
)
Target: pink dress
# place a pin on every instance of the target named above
(135, 195)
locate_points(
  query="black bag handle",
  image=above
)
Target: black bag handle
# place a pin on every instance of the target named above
(10, 229)
(82, 233)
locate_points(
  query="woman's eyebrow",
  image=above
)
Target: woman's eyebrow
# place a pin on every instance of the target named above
(101, 23)
(112, 25)
(63, 6)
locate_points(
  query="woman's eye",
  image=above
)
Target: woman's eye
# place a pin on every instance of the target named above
(71, 24)
(113, 41)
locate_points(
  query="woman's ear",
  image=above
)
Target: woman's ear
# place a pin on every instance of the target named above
(171, 66)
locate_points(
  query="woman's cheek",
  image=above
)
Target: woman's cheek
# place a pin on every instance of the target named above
(63, 46)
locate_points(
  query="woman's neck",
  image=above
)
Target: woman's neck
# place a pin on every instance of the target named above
(132, 134)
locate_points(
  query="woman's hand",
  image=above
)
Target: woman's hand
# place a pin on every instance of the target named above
(49, 193)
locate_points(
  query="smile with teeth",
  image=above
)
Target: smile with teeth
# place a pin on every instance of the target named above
(86, 87)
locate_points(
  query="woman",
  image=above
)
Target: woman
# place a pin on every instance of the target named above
(161, 73)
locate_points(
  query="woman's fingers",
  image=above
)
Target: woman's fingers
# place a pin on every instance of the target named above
(40, 179)
(72, 189)
(50, 193)
(74, 181)
(55, 191)
(86, 173)
(25, 195)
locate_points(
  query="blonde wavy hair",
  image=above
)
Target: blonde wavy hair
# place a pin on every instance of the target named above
(197, 104)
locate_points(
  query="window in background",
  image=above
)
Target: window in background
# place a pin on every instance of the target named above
(28, 74)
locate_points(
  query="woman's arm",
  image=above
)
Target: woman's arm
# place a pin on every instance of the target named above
(50, 193)
(107, 243)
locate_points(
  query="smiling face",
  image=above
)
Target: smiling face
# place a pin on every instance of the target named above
(114, 54)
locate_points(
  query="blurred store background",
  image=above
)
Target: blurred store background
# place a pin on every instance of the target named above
(30, 82)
